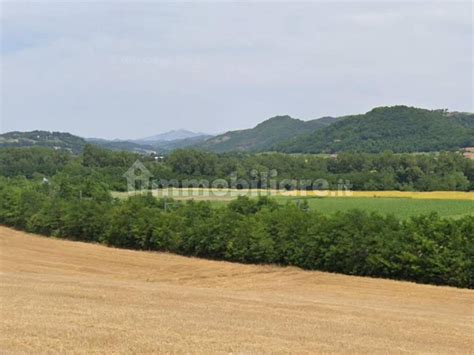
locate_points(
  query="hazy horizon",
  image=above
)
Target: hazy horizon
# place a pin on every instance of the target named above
(151, 135)
(129, 71)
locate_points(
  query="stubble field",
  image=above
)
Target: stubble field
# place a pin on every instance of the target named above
(67, 296)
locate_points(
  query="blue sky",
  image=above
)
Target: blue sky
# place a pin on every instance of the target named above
(128, 70)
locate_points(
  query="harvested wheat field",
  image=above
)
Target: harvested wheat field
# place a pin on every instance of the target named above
(62, 296)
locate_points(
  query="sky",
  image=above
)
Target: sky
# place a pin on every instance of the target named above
(134, 69)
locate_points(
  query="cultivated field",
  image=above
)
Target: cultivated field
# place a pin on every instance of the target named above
(61, 296)
(402, 204)
(229, 194)
(401, 207)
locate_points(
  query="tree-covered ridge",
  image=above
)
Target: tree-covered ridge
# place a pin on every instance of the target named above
(463, 118)
(398, 128)
(264, 136)
(57, 140)
(147, 147)
(75, 144)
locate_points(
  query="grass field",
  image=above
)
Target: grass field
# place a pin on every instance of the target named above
(401, 204)
(401, 207)
(62, 296)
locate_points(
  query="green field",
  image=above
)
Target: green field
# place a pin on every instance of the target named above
(401, 207)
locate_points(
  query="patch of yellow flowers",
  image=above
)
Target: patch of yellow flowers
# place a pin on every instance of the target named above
(218, 194)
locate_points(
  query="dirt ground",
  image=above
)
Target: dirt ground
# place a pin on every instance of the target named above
(62, 296)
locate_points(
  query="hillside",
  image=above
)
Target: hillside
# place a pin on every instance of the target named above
(166, 146)
(119, 145)
(61, 296)
(147, 147)
(75, 144)
(397, 128)
(56, 140)
(463, 118)
(173, 135)
(264, 136)
(67, 142)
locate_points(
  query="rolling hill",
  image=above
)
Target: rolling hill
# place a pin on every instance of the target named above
(264, 136)
(397, 128)
(75, 144)
(143, 147)
(463, 118)
(174, 135)
(66, 141)
(119, 145)
(167, 146)
(56, 140)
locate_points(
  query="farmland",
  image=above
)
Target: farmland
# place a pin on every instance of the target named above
(63, 296)
(401, 207)
(402, 204)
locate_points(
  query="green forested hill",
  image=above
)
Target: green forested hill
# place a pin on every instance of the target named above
(75, 144)
(397, 128)
(400, 129)
(57, 140)
(463, 118)
(264, 136)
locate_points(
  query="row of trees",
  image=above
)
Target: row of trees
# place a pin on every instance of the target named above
(426, 249)
(385, 171)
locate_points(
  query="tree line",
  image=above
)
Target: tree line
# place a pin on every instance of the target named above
(446, 171)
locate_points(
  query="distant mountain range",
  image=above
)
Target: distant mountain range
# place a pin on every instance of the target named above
(160, 143)
(396, 128)
(120, 145)
(265, 136)
(170, 136)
